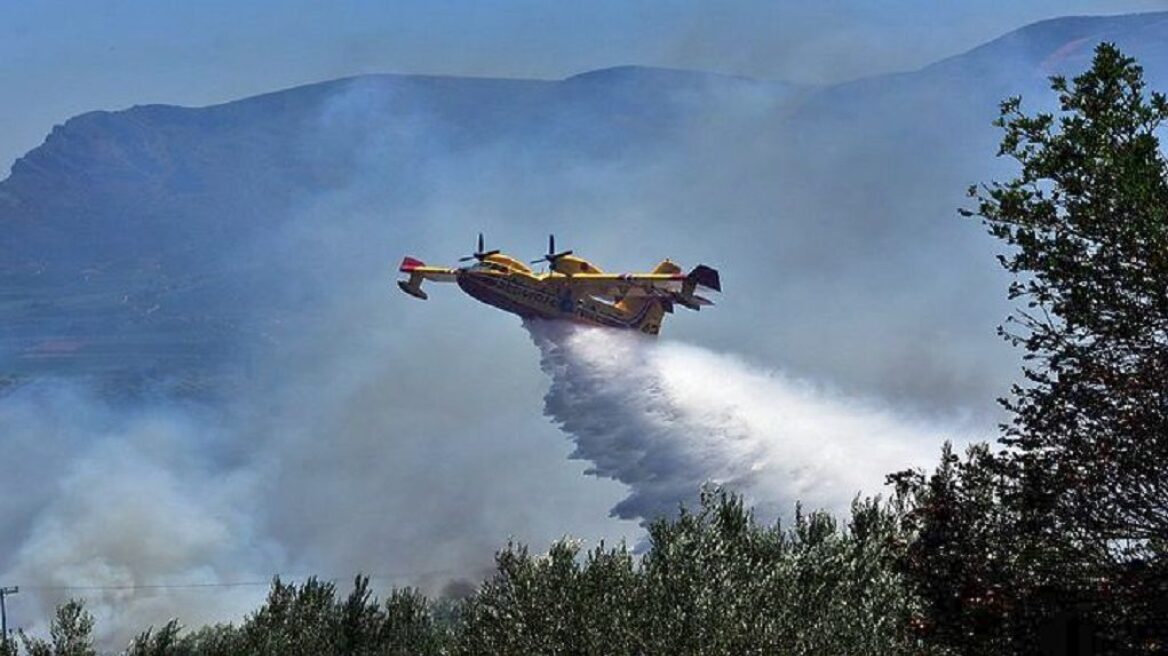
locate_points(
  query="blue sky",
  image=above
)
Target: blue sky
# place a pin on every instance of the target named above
(63, 57)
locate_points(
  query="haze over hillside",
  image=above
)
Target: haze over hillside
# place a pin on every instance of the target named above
(200, 315)
(166, 238)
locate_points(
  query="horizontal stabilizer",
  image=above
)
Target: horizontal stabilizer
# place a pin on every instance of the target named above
(693, 301)
(413, 288)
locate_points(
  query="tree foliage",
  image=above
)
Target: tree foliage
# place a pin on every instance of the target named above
(1065, 530)
(711, 581)
(1088, 217)
(70, 634)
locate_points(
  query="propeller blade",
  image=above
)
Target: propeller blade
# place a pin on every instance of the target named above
(480, 250)
(468, 258)
(552, 255)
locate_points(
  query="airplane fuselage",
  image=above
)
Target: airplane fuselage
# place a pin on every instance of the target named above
(530, 296)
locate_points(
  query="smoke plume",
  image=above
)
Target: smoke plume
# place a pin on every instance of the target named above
(116, 505)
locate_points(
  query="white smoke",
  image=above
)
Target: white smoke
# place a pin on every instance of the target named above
(110, 500)
(664, 417)
(331, 465)
(116, 504)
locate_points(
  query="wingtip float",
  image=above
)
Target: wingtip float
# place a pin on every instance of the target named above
(572, 289)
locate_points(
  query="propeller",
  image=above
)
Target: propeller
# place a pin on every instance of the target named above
(479, 253)
(552, 255)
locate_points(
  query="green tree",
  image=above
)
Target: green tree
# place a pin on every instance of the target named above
(978, 561)
(407, 627)
(70, 634)
(712, 581)
(1088, 219)
(213, 640)
(555, 603)
(162, 642)
(1069, 523)
(310, 619)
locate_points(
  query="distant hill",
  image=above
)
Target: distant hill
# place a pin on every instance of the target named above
(126, 231)
(172, 240)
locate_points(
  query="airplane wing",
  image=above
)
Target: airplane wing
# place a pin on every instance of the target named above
(674, 287)
(418, 272)
(621, 285)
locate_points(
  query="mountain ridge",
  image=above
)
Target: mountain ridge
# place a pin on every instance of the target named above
(160, 221)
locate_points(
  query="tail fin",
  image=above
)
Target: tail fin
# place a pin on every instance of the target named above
(701, 276)
(705, 276)
(409, 264)
(667, 266)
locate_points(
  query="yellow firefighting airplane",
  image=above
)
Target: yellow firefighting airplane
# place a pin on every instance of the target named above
(572, 289)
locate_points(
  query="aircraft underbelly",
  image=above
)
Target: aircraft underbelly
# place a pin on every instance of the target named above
(530, 302)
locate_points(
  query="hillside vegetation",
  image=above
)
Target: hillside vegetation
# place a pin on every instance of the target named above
(712, 582)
